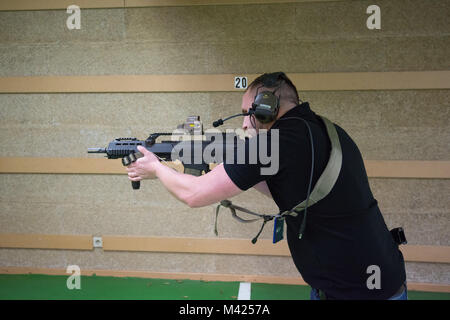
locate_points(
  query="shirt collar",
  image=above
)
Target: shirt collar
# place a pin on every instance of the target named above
(301, 110)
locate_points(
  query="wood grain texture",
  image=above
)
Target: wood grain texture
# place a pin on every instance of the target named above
(374, 168)
(264, 247)
(46, 241)
(407, 80)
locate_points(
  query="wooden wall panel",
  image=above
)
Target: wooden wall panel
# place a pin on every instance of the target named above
(412, 253)
(224, 82)
(375, 168)
(46, 241)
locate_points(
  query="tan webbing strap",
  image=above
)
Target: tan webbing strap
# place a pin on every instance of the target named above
(228, 204)
(323, 186)
(329, 176)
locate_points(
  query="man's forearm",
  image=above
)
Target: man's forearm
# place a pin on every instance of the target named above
(199, 191)
(180, 185)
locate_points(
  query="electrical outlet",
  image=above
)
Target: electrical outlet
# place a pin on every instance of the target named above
(98, 242)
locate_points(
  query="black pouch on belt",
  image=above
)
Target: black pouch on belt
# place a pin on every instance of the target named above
(399, 236)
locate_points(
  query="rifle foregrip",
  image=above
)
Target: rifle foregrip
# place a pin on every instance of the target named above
(136, 185)
(132, 157)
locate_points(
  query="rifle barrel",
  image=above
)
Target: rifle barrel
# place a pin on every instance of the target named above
(96, 150)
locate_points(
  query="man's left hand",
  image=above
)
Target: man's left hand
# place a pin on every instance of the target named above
(143, 168)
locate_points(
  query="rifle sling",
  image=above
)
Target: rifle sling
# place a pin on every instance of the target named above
(322, 188)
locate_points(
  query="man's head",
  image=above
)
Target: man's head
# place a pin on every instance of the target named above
(278, 84)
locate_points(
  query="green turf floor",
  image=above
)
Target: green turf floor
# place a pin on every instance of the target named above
(48, 287)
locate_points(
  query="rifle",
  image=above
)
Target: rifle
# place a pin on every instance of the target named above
(126, 148)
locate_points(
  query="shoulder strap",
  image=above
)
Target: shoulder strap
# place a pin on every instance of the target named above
(329, 176)
(323, 186)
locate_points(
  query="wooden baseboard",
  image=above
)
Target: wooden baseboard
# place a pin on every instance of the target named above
(412, 286)
(375, 168)
(264, 247)
(46, 241)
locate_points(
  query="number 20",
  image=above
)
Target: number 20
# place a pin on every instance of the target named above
(240, 82)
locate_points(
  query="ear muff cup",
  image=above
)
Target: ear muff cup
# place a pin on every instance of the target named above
(266, 107)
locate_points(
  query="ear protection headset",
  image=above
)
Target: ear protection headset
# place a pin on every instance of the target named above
(266, 104)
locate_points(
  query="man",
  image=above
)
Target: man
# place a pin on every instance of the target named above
(346, 250)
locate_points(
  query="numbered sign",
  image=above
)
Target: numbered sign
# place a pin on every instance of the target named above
(240, 82)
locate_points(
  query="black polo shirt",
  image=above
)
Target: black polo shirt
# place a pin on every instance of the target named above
(345, 232)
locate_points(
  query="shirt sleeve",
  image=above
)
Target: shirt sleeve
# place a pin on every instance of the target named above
(252, 162)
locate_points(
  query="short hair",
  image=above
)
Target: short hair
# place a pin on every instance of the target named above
(276, 79)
